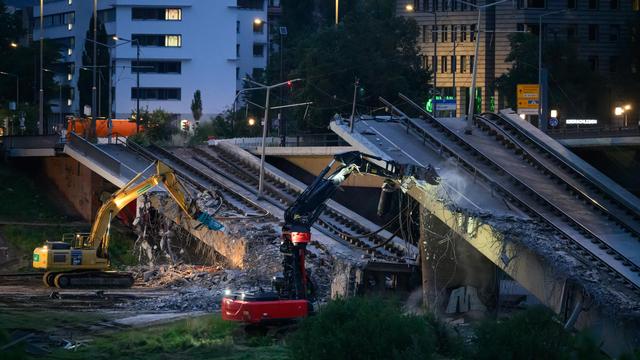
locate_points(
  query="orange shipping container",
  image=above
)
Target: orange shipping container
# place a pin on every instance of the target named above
(119, 127)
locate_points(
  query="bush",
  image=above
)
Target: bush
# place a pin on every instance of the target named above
(366, 328)
(532, 334)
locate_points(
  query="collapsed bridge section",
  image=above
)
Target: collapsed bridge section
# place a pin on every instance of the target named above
(559, 228)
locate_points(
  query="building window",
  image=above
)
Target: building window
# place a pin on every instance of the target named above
(444, 33)
(157, 40)
(594, 4)
(571, 4)
(635, 5)
(593, 62)
(453, 64)
(613, 64)
(237, 50)
(472, 32)
(614, 33)
(445, 5)
(434, 63)
(424, 33)
(237, 73)
(151, 13)
(593, 32)
(258, 50)
(613, 4)
(463, 33)
(237, 27)
(251, 4)
(454, 5)
(57, 20)
(434, 33)
(472, 59)
(454, 33)
(257, 73)
(531, 4)
(425, 5)
(571, 32)
(443, 64)
(258, 27)
(424, 63)
(108, 15)
(149, 93)
(157, 67)
(463, 64)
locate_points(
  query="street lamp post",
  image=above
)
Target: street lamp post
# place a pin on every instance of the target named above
(542, 116)
(116, 38)
(469, 127)
(409, 8)
(264, 126)
(59, 96)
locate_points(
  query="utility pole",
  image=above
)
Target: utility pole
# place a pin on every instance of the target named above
(435, 62)
(353, 106)
(472, 96)
(454, 66)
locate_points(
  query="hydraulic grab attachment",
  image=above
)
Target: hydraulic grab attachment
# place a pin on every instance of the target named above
(82, 259)
(293, 291)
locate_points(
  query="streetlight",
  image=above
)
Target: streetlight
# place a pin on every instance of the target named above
(13, 44)
(251, 121)
(542, 120)
(257, 21)
(264, 125)
(94, 94)
(116, 38)
(410, 8)
(59, 94)
(468, 127)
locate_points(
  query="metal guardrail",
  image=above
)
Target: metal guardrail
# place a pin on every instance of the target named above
(109, 162)
(30, 141)
(593, 132)
(312, 140)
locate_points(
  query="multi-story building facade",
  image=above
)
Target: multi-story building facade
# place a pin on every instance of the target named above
(185, 45)
(448, 28)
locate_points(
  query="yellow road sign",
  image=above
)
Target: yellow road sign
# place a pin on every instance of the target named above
(528, 99)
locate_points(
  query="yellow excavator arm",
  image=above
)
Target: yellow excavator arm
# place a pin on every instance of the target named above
(99, 236)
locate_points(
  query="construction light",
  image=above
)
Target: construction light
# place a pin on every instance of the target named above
(523, 116)
(618, 111)
(627, 107)
(14, 45)
(251, 121)
(409, 7)
(115, 37)
(257, 21)
(554, 113)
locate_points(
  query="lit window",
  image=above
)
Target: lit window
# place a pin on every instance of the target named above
(173, 41)
(70, 26)
(69, 76)
(70, 2)
(69, 51)
(173, 14)
(69, 101)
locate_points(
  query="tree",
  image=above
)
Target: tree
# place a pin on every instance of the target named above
(371, 43)
(85, 80)
(196, 106)
(574, 89)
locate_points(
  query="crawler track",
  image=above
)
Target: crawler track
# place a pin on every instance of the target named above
(601, 231)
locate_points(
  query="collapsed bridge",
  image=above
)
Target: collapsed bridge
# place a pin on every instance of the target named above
(561, 229)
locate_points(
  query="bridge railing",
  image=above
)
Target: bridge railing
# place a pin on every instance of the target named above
(591, 132)
(105, 160)
(312, 140)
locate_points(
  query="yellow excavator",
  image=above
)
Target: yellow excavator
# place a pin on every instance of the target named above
(82, 259)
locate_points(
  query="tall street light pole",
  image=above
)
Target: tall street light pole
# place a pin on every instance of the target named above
(472, 96)
(41, 93)
(264, 126)
(542, 116)
(409, 8)
(137, 67)
(59, 96)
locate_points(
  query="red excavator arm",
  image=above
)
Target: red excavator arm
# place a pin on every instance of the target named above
(293, 291)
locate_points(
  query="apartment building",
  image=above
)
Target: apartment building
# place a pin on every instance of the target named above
(448, 28)
(185, 45)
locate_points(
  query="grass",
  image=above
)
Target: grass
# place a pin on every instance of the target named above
(206, 337)
(22, 198)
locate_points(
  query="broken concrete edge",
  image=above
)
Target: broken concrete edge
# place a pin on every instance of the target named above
(545, 281)
(552, 145)
(412, 251)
